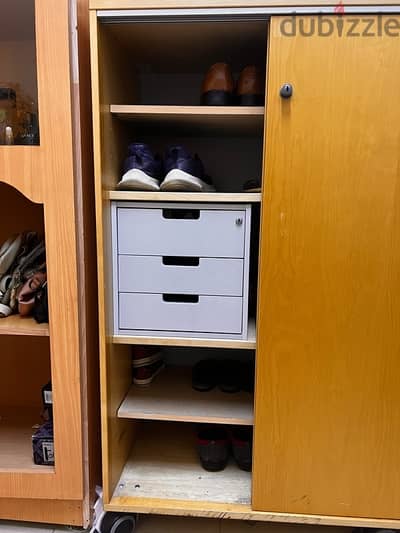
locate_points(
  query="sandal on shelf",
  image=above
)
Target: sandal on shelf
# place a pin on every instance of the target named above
(26, 296)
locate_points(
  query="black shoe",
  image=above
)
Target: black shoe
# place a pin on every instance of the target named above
(247, 376)
(230, 376)
(242, 445)
(213, 448)
(205, 375)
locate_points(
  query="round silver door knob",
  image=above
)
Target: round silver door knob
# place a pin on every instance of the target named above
(286, 90)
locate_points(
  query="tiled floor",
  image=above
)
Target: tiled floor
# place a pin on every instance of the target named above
(166, 524)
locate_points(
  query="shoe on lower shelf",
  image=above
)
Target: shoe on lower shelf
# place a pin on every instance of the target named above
(144, 375)
(213, 447)
(145, 355)
(230, 376)
(147, 363)
(142, 171)
(252, 186)
(185, 172)
(205, 375)
(242, 447)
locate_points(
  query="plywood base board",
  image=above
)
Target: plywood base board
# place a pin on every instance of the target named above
(164, 463)
(238, 512)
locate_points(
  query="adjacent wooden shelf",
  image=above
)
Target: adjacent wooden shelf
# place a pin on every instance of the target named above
(230, 120)
(16, 442)
(15, 325)
(164, 465)
(205, 197)
(193, 342)
(171, 397)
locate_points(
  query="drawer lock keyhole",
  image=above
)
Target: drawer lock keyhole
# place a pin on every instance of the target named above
(239, 221)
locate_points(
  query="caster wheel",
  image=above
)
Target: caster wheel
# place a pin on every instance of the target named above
(118, 523)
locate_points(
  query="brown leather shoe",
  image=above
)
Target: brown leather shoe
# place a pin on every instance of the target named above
(218, 86)
(250, 87)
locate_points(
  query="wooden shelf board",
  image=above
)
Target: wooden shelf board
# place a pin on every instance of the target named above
(209, 119)
(16, 441)
(16, 325)
(205, 197)
(194, 342)
(171, 397)
(164, 464)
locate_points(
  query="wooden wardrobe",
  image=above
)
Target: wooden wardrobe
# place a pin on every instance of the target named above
(327, 338)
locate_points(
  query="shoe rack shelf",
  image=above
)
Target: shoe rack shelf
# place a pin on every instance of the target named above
(211, 197)
(163, 470)
(150, 460)
(15, 443)
(323, 224)
(228, 120)
(172, 398)
(16, 325)
(193, 342)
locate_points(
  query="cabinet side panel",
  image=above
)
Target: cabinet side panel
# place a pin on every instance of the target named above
(115, 365)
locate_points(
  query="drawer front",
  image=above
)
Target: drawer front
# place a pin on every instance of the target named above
(158, 312)
(185, 275)
(181, 232)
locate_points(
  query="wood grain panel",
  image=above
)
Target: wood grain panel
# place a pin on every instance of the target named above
(16, 325)
(54, 78)
(48, 511)
(87, 272)
(45, 174)
(17, 166)
(327, 399)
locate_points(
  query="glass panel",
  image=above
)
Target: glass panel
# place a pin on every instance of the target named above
(18, 73)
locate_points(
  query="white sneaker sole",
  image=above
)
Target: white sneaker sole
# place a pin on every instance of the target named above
(178, 180)
(137, 180)
(144, 382)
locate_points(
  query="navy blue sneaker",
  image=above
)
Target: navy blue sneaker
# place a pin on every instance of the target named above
(185, 172)
(143, 171)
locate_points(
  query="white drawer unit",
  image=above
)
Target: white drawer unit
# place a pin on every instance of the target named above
(180, 313)
(184, 231)
(201, 275)
(181, 270)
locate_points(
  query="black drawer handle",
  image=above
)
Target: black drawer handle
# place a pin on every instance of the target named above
(181, 298)
(181, 214)
(172, 260)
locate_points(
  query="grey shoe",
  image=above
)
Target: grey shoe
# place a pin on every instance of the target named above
(9, 252)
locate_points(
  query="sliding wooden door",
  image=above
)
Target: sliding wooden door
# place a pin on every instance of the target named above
(327, 427)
